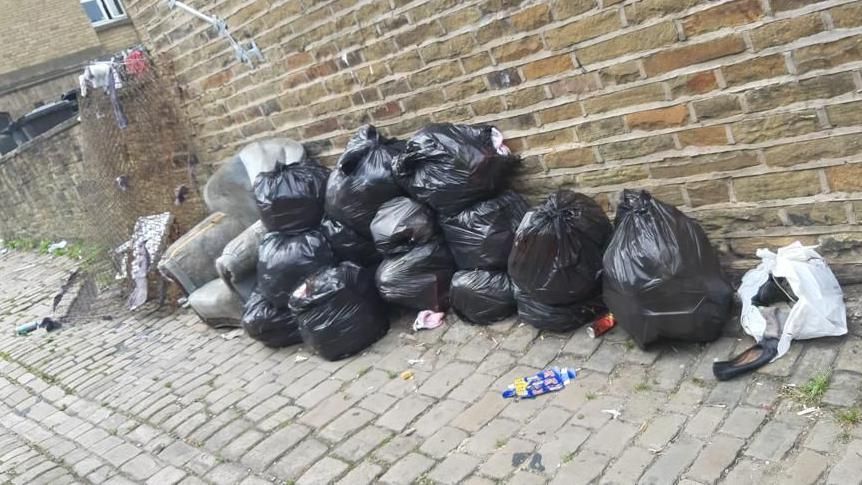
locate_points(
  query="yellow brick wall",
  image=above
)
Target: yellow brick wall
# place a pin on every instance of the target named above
(118, 37)
(33, 32)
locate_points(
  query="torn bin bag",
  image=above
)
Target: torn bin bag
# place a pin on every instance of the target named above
(402, 224)
(557, 318)
(556, 258)
(451, 167)
(481, 236)
(339, 312)
(290, 198)
(482, 297)
(662, 277)
(362, 179)
(418, 279)
(269, 324)
(284, 260)
(348, 245)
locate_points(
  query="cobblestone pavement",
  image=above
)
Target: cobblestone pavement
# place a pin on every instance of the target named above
(162, 399)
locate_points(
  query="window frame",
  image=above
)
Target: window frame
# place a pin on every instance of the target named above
(109, 11)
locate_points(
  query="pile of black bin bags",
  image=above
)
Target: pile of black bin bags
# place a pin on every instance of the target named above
(556, 262)
(467, 225)
(662, 277)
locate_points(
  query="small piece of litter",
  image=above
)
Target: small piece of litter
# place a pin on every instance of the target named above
(722, 406)
(235, 333)
(613, 412)
(409, 431)
(57, 246)
(656, 451)
(407, 375)
(807, 411)
(428, 320)
(300, 358)
(415, 362)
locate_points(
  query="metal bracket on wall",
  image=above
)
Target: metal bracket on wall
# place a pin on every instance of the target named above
(247, 54)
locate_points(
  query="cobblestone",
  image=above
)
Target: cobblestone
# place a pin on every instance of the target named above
(161, 399)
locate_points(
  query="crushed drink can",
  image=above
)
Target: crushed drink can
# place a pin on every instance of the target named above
(601, 326)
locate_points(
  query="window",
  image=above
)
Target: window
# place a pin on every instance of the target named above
(103, 12)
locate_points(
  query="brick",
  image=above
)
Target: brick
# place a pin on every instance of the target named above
(777, 186)
(404, 412)
(783, 5)
(585, 467)
(443, 441)
(629, 97)
(670, 194)
(829, 54)
(505, 78)
(652, 37)
(476, 62)
(611, 439)
(773, 441)
(525, 97)
(518, 49)
(583, 29)
(845, 178)
(407, 469)
(671, 59)
(564, 9)
(672, 462)
(407, 62)
(596, 130)
(435, 75)
(621, 150)
(531, 18)
(613, 176)
(743, 421)
(728, 14)
(754, 70)
(465, 89)
(847, 15)
(691, 84)
(708, 163)
(487, 106)
(323, 472)
(707, 192)
(717, 107)
(822, 87)
(786, 31)
(562, 112)
(579, 84)
(657, 118)
(577, 157)
(361, 443)
(449, 48)
(363, 474)
(516, 123)
(772, 127)
(845, 114)
(453, 469)
(807, 468)
(551, 138)
(806, 151)
(493, 30)
(460, 18)
(736, 220)
(548, 67)
(715, 458)
(620, 73)
(844, 390)
(416, 35)
(636, 13)
(705, 136)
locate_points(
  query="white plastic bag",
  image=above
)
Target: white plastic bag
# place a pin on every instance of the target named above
(819, 310)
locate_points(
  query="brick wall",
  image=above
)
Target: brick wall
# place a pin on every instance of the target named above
(39, 187)
(118, 36)
(34, 32)
(746, 113)
(20, 100)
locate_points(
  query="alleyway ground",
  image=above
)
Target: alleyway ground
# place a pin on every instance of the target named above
(163, 399)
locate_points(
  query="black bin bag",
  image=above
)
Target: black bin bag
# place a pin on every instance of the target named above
(662, 277)
(348, 245)
(290, 198)
(339, 311)
(482, 297)
(362, 179)
(273, 326)
(481, 236)
(451, 167)
(283, 261)
(402, 224)
(418, 279)
(558, 318)
(556, 258)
